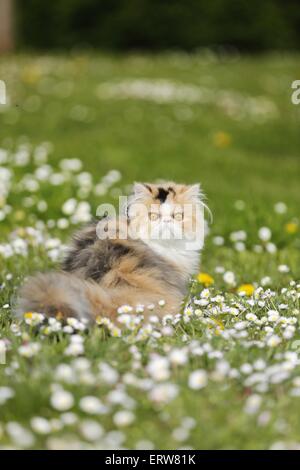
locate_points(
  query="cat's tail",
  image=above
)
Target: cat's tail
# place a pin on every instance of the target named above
(63, 294)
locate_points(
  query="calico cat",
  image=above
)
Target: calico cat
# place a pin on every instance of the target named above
(152, 262)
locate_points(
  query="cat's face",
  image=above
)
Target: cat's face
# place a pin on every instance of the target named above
(166, 211)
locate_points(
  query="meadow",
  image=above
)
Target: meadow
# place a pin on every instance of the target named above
(224, 373)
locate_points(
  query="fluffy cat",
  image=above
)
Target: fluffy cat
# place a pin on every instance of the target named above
(163, 230)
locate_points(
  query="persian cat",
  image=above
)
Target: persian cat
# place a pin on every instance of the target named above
(139, 258)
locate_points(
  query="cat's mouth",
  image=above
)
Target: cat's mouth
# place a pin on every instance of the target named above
(167, 232)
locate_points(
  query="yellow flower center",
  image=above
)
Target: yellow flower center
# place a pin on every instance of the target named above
(247, 289)
(291, 227)
(205, 279)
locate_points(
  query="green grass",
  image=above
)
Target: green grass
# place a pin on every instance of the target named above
(242, 143)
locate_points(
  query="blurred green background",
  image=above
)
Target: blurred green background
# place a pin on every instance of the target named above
(156, 24)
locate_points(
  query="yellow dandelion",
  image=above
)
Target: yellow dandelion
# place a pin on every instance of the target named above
(28, 315)
(222, 139)
(291, 227)
(205, 279)
(31, 75)
(246, 289)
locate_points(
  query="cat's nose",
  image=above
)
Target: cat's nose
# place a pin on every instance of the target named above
(167, 220)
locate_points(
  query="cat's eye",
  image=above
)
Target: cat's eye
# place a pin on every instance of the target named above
(178, 216)
(153, 216)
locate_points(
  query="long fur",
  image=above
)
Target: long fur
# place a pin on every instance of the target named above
(98, 276)
(60, 293)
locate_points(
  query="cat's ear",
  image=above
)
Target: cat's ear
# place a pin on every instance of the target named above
(141, 189)
(139, 192)
(194, 191)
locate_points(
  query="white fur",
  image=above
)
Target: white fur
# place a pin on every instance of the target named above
(175, 251)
